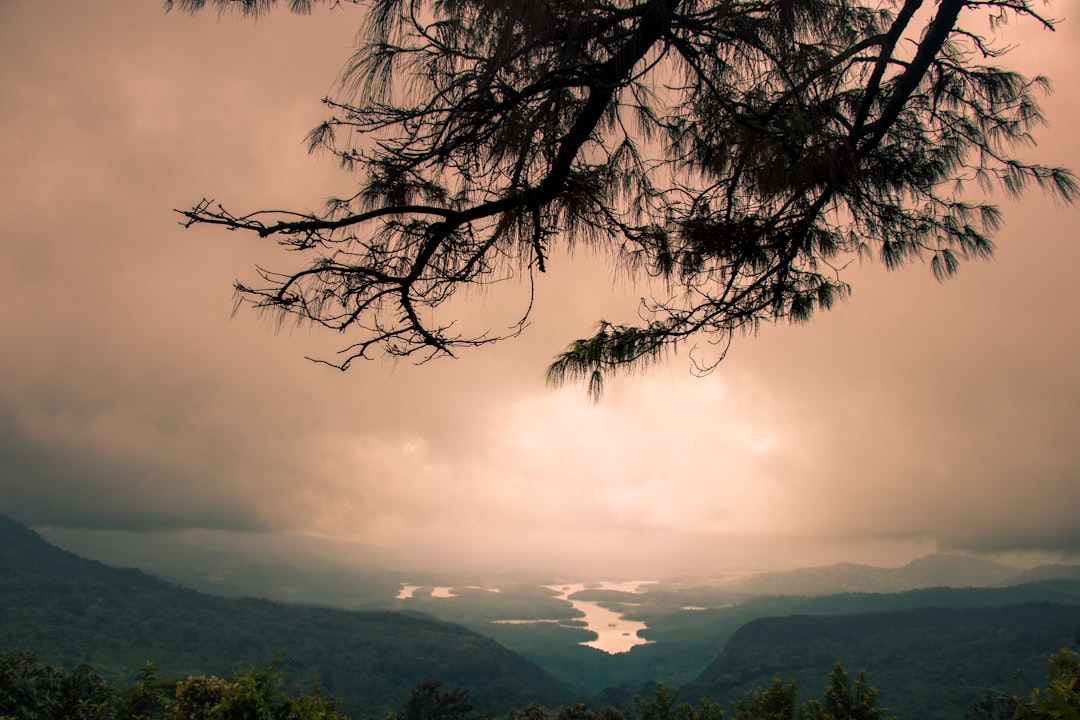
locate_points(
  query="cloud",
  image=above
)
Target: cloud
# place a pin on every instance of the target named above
(916, 415)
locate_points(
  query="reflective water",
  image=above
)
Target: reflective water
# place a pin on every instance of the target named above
(615, 634)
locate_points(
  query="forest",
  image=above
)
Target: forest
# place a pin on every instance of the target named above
(79, 636)
(33, 690)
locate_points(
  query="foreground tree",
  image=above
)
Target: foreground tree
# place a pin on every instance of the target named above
(734, 154)
(1059, 700)
(32, 690)
(845, 700)
(429, 701)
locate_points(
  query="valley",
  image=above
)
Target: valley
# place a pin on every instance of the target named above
(614, 632)
(513, 639)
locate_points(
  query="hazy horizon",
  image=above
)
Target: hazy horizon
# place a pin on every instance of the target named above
(915, 418)
(302, 550)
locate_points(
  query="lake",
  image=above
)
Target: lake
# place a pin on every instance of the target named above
(615, 634)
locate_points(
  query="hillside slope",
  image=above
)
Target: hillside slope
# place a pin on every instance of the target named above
(71, 610)
(938, 570)
(927, 663)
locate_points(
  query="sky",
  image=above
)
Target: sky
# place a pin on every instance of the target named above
(917, 417)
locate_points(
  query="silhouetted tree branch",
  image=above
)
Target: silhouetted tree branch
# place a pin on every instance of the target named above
(735, 153)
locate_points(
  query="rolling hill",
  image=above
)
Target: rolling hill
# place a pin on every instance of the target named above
(70, 610)
(928, 663)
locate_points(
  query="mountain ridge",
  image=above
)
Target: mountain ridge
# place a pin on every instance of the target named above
(928, 571)
(929, 663)
(70, 610)
(297, 568)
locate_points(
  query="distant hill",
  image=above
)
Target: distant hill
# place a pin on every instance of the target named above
(938, 570)
(1046, 572)
(288, 567)
(316, 571)
(70, 610)
(927, 663)
(685, 641)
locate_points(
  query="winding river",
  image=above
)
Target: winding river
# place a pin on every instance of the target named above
(615, 634)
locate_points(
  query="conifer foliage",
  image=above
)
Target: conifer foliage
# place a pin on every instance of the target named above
(732, 154)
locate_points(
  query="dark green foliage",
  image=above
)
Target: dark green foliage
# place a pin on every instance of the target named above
(844, 700)
(147, 697)
(665, 705)
(583, 712)
(32, 690)
(430, 702)
(662, 706)
(775, 703)
(928, 663)
(1059, 700)
(685, 642)
(583, 669)
(992, 706)
(255, 693)
(71, 610)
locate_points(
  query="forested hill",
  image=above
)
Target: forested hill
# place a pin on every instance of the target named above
(927, 663)
(70, 610)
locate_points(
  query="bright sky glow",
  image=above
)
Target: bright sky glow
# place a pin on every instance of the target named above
(916, 417)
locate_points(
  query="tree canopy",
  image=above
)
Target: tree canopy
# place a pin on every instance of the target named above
(734, 155)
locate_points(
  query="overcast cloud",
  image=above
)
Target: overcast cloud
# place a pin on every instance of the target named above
(917, 416)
